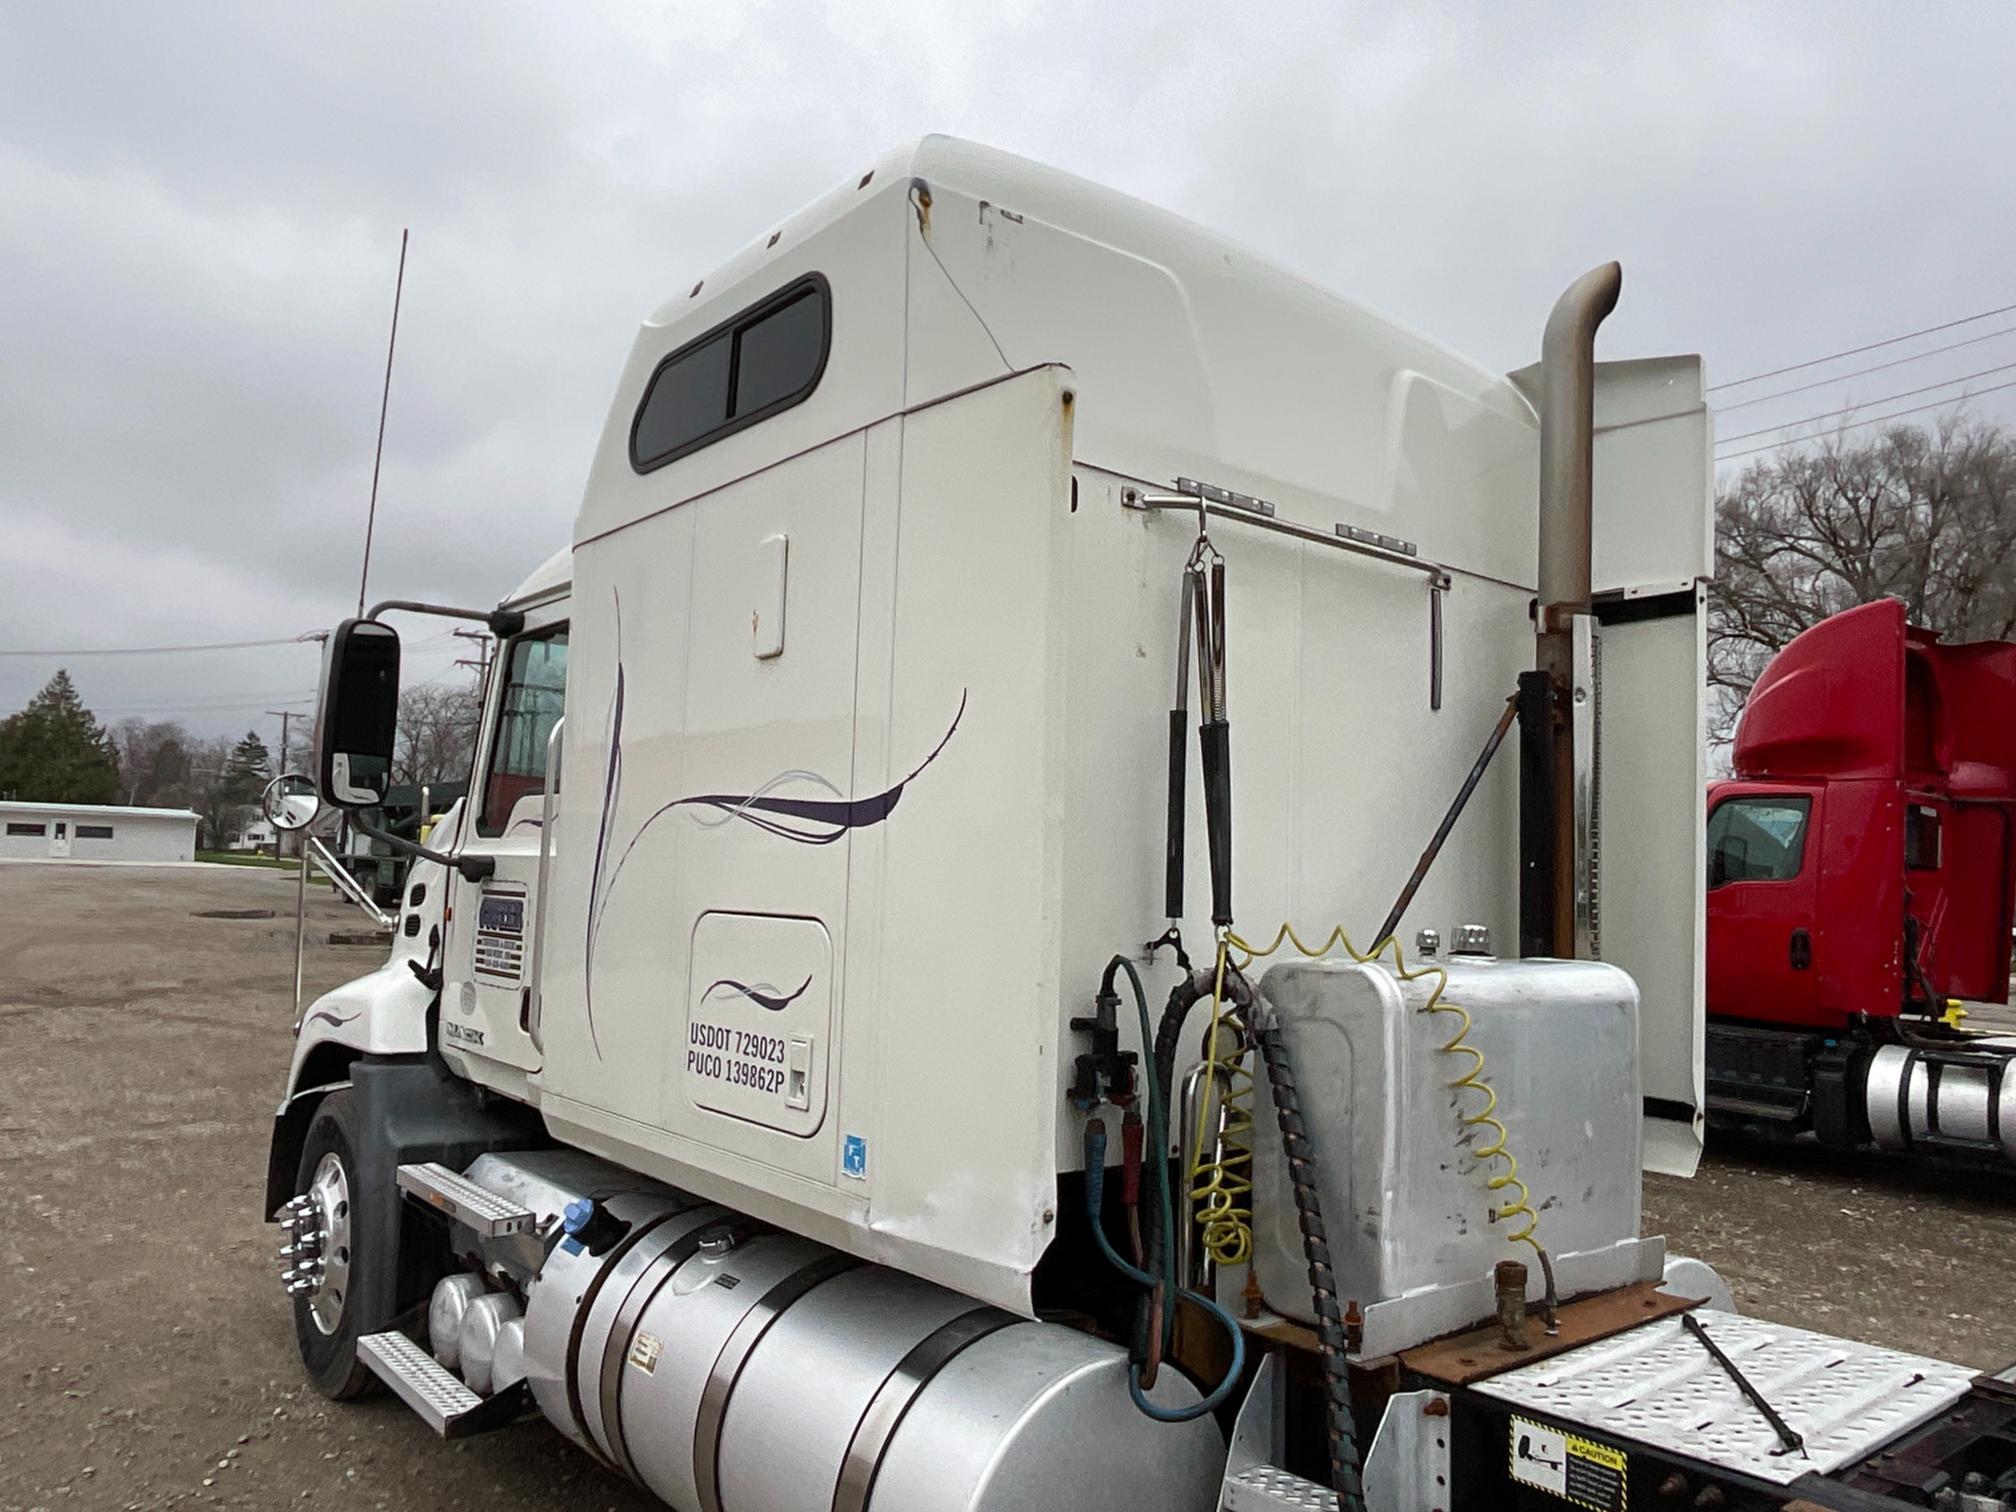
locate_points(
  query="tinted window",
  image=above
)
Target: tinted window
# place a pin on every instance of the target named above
(1921, 837)
(94, 832)
(26, 829)
(535, 693)
(779, 354)
(687, 399)
(766, 359)
(1761, 839)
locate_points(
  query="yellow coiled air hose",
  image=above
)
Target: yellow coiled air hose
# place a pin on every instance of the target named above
(1227, 1179)
(1221, 1171)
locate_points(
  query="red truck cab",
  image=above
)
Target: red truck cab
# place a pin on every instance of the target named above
(1860, 861)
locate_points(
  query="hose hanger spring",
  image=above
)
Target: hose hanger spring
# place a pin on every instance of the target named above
(1205, 573)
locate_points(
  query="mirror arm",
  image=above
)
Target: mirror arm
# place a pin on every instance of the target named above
(502, 623)
(472, 868)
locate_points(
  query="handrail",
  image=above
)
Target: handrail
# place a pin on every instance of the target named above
(1136, 499)
(546, 803)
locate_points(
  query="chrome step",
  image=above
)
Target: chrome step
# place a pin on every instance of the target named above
(1269, 1488)
(475, 1207)
(443, 1403)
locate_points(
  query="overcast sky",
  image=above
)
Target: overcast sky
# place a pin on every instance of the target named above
(200, 208)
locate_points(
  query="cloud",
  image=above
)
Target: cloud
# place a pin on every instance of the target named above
(200, 214)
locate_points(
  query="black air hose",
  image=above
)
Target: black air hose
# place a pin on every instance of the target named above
(1344, 1463)
(1193, 989)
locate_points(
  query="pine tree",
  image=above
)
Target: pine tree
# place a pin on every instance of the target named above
(248, 769)
(55, 751)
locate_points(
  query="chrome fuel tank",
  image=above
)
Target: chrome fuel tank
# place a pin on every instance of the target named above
(729, 1367)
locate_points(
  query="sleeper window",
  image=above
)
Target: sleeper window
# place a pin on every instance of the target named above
(749, 367)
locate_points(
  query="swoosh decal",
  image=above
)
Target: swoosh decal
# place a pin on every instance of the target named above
(762, 994)
(803, 821)
(329, 1018)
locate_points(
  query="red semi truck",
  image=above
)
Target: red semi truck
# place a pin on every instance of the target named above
(1861, 883)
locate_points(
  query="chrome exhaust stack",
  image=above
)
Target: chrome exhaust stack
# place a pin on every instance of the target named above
(1556, 901)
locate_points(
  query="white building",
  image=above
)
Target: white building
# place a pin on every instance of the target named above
(256, 834)
(95, 832)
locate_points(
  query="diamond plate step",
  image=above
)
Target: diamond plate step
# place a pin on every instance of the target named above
(1269, 1488)
(1656, 1385)
(491, 1216)
(443, 1403)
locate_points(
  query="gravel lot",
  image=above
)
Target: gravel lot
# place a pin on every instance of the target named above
(147, 1355)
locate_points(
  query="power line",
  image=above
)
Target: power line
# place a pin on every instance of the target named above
(1886, 399)
(269, 695)
(1857, 351)
(1872, 420)
(1951, 346)
(171, 709)
(291, 640)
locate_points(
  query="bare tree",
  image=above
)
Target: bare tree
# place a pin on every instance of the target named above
(154, 762)
(215, 791)
(1926, 515)
(438, 724)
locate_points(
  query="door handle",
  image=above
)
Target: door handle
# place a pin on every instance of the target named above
(1802, 950)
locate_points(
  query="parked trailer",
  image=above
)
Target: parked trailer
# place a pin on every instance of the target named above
(1861, 886)
(772, 1084)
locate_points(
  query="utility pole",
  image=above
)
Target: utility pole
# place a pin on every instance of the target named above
(286, 717)
(485, 648)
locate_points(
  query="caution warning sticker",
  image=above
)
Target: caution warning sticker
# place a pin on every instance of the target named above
(1575, 1469)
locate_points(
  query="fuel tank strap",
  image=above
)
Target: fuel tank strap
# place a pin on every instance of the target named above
(616, 1348)
(894, 1397)
(735, 1353)
(581, 1310)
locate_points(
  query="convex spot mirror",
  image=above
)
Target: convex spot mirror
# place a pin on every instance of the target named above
(290, 802)
(359, 714)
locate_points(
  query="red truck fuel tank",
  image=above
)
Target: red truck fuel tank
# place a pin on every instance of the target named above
(1860, 860)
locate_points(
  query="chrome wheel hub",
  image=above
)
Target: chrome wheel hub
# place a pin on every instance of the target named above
(315, 1254)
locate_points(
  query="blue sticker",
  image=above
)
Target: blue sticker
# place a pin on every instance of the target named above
(854, 1157)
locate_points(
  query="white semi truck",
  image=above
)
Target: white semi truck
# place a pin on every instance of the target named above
(880, 1035)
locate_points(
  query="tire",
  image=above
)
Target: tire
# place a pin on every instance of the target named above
(325, 1327)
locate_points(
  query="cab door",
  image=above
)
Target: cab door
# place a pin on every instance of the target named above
(1762, 896)
(490, 966)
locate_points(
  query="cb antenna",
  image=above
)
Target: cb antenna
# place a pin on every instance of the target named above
(384, 403)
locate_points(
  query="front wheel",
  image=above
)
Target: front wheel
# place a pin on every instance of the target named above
(322, 1228)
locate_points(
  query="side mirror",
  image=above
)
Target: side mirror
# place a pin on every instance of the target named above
(290, 802)
(358, 716)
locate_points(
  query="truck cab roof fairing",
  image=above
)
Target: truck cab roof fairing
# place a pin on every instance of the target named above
(1863, 694)
(951, 265)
